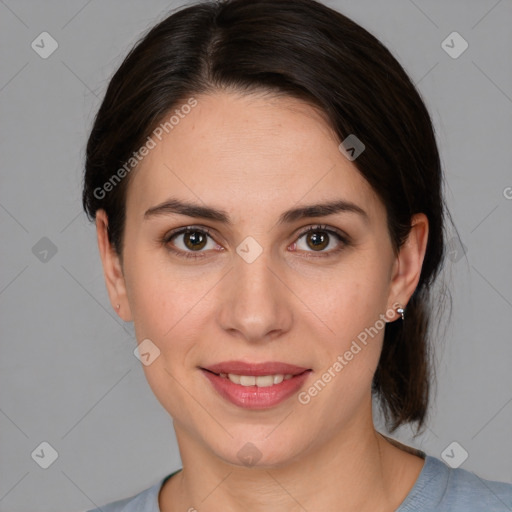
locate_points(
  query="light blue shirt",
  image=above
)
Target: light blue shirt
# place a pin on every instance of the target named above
(439, 488)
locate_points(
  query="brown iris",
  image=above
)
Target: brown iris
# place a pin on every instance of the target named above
(194, 240)
(319, 239)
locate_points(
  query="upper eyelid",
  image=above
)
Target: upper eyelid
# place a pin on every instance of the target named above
(323, 227)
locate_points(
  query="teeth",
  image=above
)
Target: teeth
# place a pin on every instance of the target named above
(261, 381)
(278, 379)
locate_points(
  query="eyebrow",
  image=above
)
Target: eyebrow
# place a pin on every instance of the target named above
(176, 206)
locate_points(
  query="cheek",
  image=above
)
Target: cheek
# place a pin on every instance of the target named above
(163, 312)
(350, 303)
(159, 294)
(152, 305)
(350, 299)
(169, 307)
(351, 309)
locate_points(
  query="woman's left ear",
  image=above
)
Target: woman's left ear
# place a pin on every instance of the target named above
(410, 261)
(112, 269)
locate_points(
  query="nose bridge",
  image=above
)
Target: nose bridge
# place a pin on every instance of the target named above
(254, 301)
(255, 278)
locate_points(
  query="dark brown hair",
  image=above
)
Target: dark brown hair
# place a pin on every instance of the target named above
(306, 50)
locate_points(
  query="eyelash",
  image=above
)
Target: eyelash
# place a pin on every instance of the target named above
(196, 255)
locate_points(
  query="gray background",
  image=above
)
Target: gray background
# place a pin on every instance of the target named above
(68, 373)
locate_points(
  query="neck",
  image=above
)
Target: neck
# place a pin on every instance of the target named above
(353, 471)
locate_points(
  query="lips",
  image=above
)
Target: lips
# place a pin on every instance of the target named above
(254, 396)
(256, 369)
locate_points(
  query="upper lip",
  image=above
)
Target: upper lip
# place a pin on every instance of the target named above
(267, 368)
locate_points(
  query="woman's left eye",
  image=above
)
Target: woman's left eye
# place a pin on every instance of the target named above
(319, 238)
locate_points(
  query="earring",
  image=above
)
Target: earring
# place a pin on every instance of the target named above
(400, 310)
(118, 306)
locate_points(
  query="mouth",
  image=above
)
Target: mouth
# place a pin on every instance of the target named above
(255, 386)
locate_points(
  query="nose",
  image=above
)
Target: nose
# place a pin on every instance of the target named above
(255, 300)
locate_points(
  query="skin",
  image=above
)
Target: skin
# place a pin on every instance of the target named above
(255, 156)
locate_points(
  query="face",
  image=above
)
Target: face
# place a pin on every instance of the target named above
(251, 284)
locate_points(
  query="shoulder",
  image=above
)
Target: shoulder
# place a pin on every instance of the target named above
(144, 501)
(441, 488)
(469, 492)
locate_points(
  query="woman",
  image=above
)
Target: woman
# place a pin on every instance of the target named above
(267, 193)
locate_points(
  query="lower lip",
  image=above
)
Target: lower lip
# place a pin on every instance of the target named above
(253, 397)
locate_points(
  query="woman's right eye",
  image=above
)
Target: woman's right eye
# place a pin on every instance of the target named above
(187, 241)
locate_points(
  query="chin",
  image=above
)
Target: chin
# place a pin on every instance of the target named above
(258, 452)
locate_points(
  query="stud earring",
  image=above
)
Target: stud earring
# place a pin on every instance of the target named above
(400, 310)
(118, 306)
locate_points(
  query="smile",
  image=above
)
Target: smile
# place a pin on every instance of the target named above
(255, 391)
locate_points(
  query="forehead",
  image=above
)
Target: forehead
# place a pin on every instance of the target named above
(247, 153)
